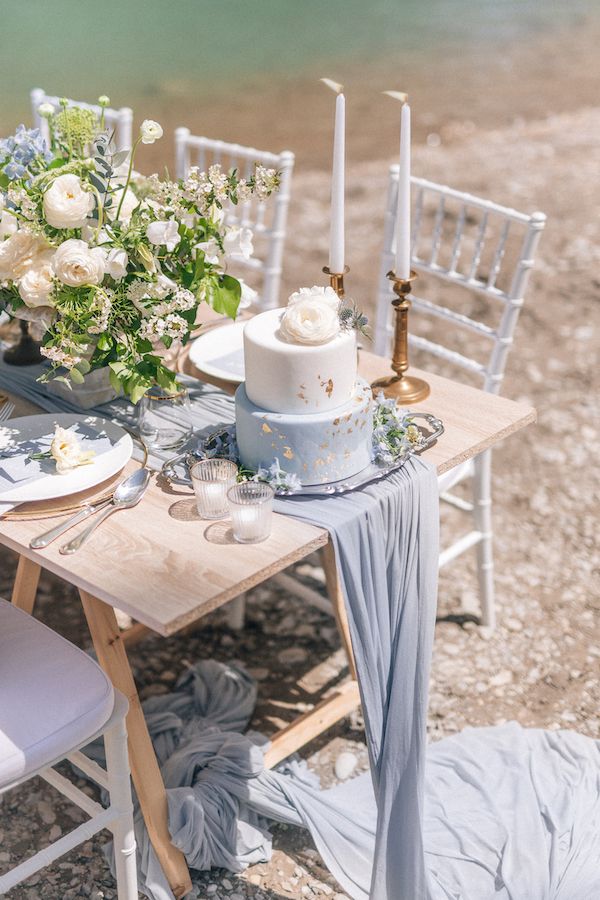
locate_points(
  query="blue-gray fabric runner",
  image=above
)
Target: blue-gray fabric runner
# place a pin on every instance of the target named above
(501, 814)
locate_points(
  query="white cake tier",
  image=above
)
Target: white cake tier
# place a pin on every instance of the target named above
(318, 448)
(297, 378)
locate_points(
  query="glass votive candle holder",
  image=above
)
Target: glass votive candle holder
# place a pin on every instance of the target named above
(165, 419)
(211, 479)
(251, 508)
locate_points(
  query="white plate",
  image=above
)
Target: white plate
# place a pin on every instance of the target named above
(112, 444)
(220, 352)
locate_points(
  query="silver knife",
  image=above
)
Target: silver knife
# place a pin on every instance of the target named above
(42, 540)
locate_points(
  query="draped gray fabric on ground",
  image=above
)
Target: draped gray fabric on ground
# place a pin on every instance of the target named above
(499, 814)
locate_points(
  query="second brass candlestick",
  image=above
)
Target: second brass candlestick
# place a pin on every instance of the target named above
(406, 389)
(336, 280)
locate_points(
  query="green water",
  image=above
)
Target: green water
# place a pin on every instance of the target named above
(188, 49)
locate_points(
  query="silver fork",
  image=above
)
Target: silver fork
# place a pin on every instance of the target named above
(6, 410)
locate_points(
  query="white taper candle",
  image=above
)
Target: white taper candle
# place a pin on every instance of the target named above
(402, 262)
(336, 237)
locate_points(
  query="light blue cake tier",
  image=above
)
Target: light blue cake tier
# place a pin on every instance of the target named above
(318, 448)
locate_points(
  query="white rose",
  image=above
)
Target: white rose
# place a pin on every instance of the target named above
(325, 294)
(166, 233)
(37, 283)
(150, 131)
(8, 224)
(116, 263)
(66, 450)
(75, 264)
(18, 254)
(311, 320)
(130, 202)
(238, 242)
(66, 203)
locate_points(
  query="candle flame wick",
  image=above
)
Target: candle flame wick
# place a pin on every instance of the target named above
(332, 85)
(397, 95)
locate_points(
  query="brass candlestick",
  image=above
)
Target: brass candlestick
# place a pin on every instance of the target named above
(336, 280)
(405, 389)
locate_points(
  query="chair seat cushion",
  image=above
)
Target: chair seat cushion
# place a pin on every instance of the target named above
(53, 696)
(453, 476)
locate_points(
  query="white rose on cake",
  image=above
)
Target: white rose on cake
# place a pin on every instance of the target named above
(66, 203)
(311, 316)
(76, 264)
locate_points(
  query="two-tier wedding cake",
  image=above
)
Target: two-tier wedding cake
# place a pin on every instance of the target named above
(303, 402)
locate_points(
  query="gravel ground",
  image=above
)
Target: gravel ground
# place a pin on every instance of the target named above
(540, 667)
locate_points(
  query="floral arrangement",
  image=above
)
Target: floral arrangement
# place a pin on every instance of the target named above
(66, 451)
(108, 265)
(394, 432)
(316, 315)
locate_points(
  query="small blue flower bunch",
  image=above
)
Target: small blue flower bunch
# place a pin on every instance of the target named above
(280, 480)
(394, 432)
(20, 151)
(223, 445)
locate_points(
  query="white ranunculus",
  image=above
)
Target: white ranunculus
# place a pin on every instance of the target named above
(130, 202)
(150, 131)
(66, 450)
(166, 233)
(311, 320)
(66, 203)
(238, 242)
(316, 292)
(76, 264)
(116, 263)
(18, 254)
(8, 224)
(37, 283)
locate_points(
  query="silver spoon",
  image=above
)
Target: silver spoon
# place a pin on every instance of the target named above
(127, 494)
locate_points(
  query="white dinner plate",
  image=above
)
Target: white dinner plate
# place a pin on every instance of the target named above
(220, 352)
(38, 479)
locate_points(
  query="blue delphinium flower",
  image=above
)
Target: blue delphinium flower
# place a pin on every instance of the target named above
(19, 151)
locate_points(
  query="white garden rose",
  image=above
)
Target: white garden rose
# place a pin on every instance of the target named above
(238, 242)
(312, 319)
(150, 131)
(116, 263)
(316, 292)
(66, 203)
(166, 233)
(66, 451)
(8, 224)
(18, 254)
(76, 264)
(36, 285)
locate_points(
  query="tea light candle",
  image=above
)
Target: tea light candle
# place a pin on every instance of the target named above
(211, 479)
(251, 508)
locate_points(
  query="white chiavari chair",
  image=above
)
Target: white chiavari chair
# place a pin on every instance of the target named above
(476, 258)
(119, 120)
(267, 220)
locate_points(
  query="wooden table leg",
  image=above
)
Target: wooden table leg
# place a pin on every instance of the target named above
(335, 594)
(26, 584)
(144, 766)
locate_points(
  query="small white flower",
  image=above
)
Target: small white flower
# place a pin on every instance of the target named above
(116, 263)
(46, 110)
(103, 100)
(238, 242)
(37, 283)
(150, 131)
(166, 233)
(66, 451)
(76, 264)
(8, 224)
(211, 250)
(66, 203)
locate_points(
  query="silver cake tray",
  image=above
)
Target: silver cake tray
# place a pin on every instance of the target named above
(176, 470)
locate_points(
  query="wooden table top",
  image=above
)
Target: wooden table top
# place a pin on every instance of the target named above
(166, 568)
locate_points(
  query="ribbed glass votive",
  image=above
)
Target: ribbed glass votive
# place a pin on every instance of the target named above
(211, 479)
(251, 508)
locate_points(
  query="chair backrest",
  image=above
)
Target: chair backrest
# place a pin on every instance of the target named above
(267, 220)
(470, 243)
(120, 120)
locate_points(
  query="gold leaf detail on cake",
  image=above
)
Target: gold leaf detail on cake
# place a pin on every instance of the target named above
(336, 421)
(328, 385)
(266, 428)
(288, 452)
(347, 454)
(324, 446)
(319, 462)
